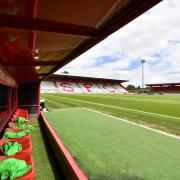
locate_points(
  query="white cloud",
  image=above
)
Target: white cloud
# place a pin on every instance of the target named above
(155, 32)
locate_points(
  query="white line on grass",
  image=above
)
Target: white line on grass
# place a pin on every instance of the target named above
(64, 109)
(144, 112)
(143, 126)
(124, 120)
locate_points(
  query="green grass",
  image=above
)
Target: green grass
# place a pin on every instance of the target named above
(110, 149)
(44, 165)
(113, 104)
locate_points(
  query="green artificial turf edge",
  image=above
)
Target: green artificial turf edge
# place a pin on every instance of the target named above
(108, 149)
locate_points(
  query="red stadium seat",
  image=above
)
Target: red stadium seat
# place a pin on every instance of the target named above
(22, 113)
(31, 173)
(26, 149)
(24, 139)
(11, 124)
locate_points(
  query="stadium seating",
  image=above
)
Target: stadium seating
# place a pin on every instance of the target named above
(68, 87)
(89, 88)
(120, 89)
(81, 87)
(26, 152)
(48, 87)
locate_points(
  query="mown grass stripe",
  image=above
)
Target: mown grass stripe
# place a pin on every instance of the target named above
(165, 124)
(133, 110)
(143, 126)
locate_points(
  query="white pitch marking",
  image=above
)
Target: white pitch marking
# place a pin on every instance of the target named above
(144, 112)
(63, 109)
(124, 120)
(146, 127)
(120, 119)
(143, 126)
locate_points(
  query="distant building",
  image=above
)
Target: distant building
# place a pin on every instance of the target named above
(165, 88)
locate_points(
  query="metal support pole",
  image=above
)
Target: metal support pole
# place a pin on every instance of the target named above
(142, 62)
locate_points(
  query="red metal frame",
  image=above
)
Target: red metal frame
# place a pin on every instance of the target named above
(164, 84)
(124, 87)
(9, 100)
(15, 99)
(39, 96)
(45, 25)
(17, 90)
(10, 108)
(33, 63)
(29, 105)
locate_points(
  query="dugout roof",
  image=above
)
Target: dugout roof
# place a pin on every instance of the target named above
(37, 37)
(83, 78)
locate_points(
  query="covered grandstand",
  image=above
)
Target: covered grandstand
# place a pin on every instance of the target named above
(79, 84)
(165, 88)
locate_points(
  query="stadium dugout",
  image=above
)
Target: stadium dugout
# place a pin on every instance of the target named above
(165, 88)
(37, 38)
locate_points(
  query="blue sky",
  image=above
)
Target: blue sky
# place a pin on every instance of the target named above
(154, 36)
(104, 60)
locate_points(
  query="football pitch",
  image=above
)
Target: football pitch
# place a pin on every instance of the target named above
(157, 111)
(108, 148)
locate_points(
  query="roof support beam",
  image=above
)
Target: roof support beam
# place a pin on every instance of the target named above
(33, 7)
(43, 74)
(34, 76)
(22, 22)
(33, 63)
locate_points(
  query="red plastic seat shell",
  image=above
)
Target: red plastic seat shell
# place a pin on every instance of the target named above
(11, 124)
(25, 154)
(24, 139)
(31, 173)
(26, 149)
(22, 113)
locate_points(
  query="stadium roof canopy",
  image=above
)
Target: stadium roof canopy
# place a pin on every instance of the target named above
(164, 84)
(70, 77)
(37, 37)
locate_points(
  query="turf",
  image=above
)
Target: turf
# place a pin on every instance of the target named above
(107, 148)
(113, 104)
(44, 165)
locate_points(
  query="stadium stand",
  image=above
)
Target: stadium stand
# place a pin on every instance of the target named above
(120, 89)
(68, 87)
(165, 88)
(85, 85)
(48, 87)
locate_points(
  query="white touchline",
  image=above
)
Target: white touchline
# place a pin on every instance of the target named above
(124, 120)
(143, 126)
(118, 107)
(64, 109)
